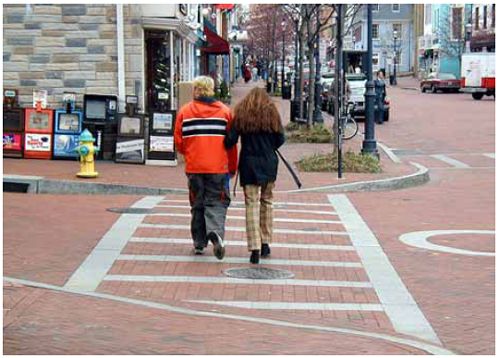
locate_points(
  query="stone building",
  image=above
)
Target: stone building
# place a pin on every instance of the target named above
(117, 49)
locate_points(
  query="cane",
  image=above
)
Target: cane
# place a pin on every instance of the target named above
(293, 174)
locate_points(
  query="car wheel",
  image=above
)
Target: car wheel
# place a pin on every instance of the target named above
(433, 89)
(477, 95)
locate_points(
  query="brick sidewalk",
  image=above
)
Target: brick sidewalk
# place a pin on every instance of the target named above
(168, 177)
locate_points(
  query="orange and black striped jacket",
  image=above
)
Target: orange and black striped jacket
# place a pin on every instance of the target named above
(200, 129)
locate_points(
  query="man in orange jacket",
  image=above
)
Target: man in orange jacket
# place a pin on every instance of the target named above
(200, 129)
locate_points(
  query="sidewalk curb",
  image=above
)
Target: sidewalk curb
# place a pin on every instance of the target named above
(420, 177)
(39, 185)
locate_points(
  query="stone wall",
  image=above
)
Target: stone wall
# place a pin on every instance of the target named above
(134, 55)
(61, 48)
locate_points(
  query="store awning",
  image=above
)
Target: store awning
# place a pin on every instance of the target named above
(224, 6)
(216, 44)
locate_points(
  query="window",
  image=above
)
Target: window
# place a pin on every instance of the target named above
(427, 14)
(485, 17)
(375, 7)
(477, 17)
(457, 23)
(375, 31)
(398, 28)
(493, 24)
(396, 8)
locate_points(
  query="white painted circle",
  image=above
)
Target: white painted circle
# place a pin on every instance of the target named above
(420, 239)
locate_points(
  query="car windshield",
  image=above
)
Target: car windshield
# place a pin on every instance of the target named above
(447, 76)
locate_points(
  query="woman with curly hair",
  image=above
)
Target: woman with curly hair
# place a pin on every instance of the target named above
(258, 123)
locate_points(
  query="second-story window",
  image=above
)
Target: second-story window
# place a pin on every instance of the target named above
(485, 17)
(477, 18)
(375, 31)
(396, 7)
(375, 7)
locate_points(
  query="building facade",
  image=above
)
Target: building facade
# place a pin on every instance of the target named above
(119, 49)
(387, 18)
(483, 24)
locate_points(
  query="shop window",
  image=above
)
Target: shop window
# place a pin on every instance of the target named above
(158, 70)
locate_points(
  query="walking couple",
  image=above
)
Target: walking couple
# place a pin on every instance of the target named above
(206, 133)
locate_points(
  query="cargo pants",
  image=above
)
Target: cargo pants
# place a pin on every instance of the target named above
(209, 196)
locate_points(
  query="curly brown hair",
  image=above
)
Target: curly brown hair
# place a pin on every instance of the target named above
(257, 113)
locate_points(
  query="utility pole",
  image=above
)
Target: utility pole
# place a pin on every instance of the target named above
(369, 143)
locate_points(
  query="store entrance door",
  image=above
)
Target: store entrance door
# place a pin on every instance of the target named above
(158, 71)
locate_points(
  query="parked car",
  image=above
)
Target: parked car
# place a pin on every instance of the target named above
(445, 82)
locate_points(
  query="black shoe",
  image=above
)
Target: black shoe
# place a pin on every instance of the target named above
(265, 250)
(255, 256)
(218, 245)
(198, 250)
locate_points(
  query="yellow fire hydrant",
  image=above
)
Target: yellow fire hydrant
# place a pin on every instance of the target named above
(86, 150)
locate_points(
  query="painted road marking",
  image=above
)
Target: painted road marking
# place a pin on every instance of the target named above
(238, 260)
(162, 240)
(430, 348)
(243, 229)
(231, 208)
(454, 162)
(295, 305)
(282, 220)
(490, 155)
(420, 239)
(399, 305)
(95, 267)
(389, 152)
(276, 203)
(240, 281)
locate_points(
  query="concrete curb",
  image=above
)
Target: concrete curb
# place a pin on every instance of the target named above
(39, 185)
(420, 177)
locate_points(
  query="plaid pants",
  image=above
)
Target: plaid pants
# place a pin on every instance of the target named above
(259, 218)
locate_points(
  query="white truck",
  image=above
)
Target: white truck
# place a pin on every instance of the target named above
(478, 74)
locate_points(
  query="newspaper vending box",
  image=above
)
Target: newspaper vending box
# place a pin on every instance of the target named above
(39, 126)
(130, 145)
(13, 125)
(161, 149)
(68, 122)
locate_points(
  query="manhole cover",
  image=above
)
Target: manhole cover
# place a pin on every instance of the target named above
(129, 210)
(258, 273)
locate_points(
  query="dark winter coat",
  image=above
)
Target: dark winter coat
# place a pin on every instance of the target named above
(258, 159)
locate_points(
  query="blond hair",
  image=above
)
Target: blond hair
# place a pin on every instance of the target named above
(204, 86)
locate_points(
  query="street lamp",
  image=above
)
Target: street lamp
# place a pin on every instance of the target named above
(317, 115)
(369, 143)
(283, 28)
(395, 34)
(468, 37)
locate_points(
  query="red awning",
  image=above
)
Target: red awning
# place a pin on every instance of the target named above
(216, 44)
(224, 6)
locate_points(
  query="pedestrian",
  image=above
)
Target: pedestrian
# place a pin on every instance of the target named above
(258, 123)
(254, 73)
(380, 91)
(247, 74)
(200, 129)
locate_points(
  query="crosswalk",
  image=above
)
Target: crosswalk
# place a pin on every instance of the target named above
(458, 160)
(346, 264)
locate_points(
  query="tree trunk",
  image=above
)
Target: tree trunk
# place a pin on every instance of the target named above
(302, 52)
(311, 87)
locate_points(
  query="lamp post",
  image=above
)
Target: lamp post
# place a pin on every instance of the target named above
(395, 34)
(317, 115)
(283, 28)
(468, 37)
(369, 143)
